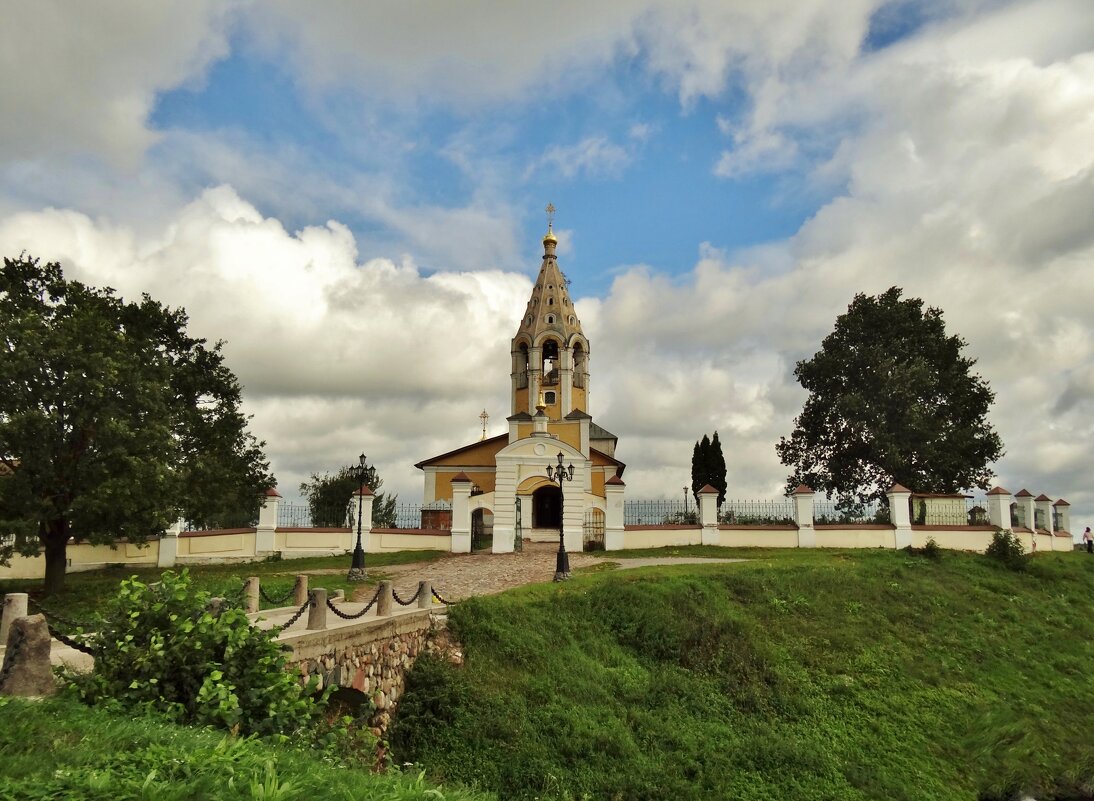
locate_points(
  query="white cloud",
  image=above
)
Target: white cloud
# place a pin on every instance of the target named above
(79, 78)
(592, 157)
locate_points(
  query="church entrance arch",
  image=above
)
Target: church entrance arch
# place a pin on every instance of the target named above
(547, 507)
(482, 530)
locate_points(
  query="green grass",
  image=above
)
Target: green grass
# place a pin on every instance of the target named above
(85, 592)
(797, 675)
(58, 749)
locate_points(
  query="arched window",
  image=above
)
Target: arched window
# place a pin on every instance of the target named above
(580, 365)
(550, 319)
(550, 361)
(550, 397)
(522, 367)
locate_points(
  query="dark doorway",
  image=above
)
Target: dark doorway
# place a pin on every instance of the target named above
(547, 507)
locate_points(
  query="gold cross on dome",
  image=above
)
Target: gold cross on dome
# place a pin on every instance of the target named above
(550, 214)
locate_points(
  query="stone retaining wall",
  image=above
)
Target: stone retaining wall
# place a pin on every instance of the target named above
(374, 660)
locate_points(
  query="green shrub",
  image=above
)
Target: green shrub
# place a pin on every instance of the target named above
(1007, 549)
(161, 648)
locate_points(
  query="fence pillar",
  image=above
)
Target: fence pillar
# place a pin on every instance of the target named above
(383, 603)
(317, 612)
(362, 498)
(999, 501)
(708, 515)
(15, 605)
(900, 515)
(461, 514)
(300, 590)
(266, 531)
(1063, 509)
(803, 516)
(614, 526)
(1044, 506)
(425, 594)
(169, 546)
(250, 594)
(1027, 515)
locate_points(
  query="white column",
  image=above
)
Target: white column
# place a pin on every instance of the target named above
(265, 533)
(999, 501)
(15, 606)
(708, 515)
(169, 546)
(614, 489)
(461, 514)
(803, 516)
(900, 515)
(566, 381)
(573, 512)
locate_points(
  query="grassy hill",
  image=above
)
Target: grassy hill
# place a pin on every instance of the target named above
(798, 675)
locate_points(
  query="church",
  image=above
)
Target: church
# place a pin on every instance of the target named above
(504, 480)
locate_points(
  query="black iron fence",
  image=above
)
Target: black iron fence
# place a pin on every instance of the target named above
(659, 511)
(302, 515)
(756, 513)
(949, 511)
(841, 512)
(593, 530)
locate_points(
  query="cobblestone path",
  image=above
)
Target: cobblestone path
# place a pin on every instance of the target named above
(458, 576)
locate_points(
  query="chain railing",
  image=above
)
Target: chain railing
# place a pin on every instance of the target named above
(360, 613)
(411, 600)
(68, 639)
(279, 600)
(440, 600)
(296, 616)
(11, 655)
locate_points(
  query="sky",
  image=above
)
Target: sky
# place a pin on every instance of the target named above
(350, 196)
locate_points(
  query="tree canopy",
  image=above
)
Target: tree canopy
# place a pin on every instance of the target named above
(113, 421)
(328, 496)
(708, 466)
(892, 399)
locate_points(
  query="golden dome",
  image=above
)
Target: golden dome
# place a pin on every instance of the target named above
(550, 237)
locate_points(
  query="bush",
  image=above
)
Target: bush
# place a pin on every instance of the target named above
(1007, 549)
(160, 648)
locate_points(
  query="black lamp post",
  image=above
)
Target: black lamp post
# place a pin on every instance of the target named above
(560, 474)
(357, 567)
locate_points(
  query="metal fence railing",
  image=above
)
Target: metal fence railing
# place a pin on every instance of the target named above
(759, 513)
(949, 511)
(301, 515)
(837, 512)
(659, 511)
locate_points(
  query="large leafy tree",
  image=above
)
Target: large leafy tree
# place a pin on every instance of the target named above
(113, 421)
(892, 399)
(708, 466)
(328, 496)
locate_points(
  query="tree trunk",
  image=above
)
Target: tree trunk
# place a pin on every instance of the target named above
(55, 540)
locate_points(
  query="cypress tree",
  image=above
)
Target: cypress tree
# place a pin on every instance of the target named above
(717, 463)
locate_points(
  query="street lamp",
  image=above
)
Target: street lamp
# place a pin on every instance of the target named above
(685, 500)
(357, 567)
(560, 474)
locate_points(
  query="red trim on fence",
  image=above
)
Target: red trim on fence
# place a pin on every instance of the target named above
(327, 530)
(857, 526)
(666, 527)
(936, 527)
(767, 527)
(214, 532)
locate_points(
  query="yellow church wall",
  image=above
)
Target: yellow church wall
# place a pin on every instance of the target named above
(524, 430)
(483, 480)
(521, 397)
(479, 455)
(578, 399)
(570, 433)
(597, 484)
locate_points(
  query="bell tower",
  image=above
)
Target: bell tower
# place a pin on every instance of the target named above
(550, 353)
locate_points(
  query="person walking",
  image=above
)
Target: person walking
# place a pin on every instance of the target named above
(1088, 540)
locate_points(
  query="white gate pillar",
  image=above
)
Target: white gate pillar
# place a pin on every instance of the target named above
(614, 528)
(461, 513)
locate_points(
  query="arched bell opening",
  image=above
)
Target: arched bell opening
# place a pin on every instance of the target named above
(547, 507)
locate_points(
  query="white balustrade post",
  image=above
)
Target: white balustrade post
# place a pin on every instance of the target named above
(614, 527)
(461, 514)
(900, 515)
(266, 531)
(169, 545)
(1063, 509)
(803, 516)
(1027, 509)
(708, 515)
